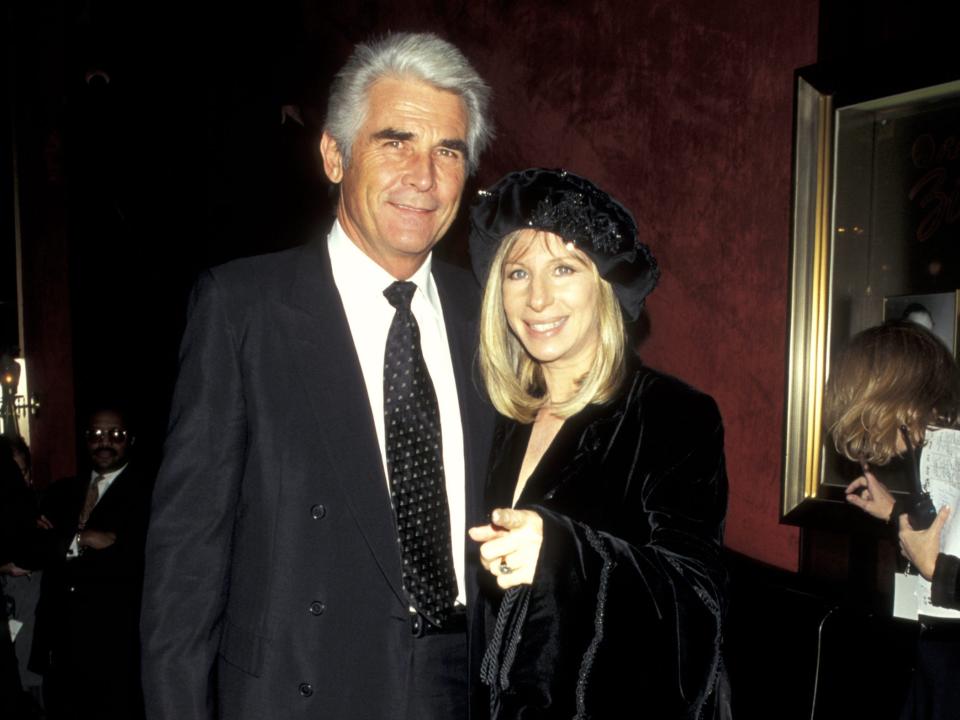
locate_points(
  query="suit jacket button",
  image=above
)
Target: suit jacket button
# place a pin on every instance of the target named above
(317, 608)
(318, 511)
(306, 690)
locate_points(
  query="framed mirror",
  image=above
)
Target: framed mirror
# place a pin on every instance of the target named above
(876, 235)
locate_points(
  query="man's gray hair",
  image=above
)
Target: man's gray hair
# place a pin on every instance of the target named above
(422, 56)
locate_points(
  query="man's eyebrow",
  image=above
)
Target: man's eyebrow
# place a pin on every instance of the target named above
(459, 145)
(393, 134)
(403, 135)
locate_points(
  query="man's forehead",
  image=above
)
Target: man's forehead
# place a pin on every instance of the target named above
(414, 106)
(106, 418)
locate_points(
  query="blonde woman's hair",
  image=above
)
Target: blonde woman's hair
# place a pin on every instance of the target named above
(514, 379)
(890, 376)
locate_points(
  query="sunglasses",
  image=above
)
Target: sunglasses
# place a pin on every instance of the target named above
(113, 435)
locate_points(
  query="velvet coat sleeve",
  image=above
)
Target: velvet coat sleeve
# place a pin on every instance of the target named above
(945, 588)
(625, 611)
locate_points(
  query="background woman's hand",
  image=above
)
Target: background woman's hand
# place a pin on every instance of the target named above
(510, 545)
(921, 547)
(870, 495)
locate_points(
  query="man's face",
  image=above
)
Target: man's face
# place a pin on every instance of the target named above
(407, 168)
(107, 441)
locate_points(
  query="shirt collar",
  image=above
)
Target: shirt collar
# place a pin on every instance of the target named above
(358, 276)
(107, 476)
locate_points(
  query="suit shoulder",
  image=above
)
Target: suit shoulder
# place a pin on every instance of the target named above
(241, 285)
(258, 270)
(455, 281)
(62, 491)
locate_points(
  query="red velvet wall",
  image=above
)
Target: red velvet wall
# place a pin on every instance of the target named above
(682, 109)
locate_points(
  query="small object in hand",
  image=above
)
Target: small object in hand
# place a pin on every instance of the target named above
(504, 568)
(923, 513)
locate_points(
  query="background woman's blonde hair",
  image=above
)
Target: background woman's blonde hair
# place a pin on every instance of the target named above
(889, 376)
(514, 380)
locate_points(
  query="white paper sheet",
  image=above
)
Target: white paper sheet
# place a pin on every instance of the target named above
(940, 476)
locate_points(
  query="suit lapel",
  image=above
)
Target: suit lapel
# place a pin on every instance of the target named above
(333, 384)
(112, 498)
(476, 417)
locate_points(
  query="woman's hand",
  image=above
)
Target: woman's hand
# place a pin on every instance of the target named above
(921, 547)
(875, 499)
(510, 546)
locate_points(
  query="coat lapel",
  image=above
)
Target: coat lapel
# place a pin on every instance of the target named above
(581, 438)
(333, 384)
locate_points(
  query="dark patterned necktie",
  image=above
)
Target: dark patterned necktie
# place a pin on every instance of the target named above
(415, 464)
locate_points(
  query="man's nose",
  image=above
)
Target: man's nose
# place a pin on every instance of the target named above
(420, 172)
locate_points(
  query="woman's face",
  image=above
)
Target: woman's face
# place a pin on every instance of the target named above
(551, 298)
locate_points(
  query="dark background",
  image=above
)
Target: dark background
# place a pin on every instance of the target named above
(681, 108)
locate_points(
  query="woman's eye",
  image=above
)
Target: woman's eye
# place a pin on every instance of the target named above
(517, 274)
(564, 270)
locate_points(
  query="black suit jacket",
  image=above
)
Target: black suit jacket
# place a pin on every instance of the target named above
(273, 586)
(89, 605)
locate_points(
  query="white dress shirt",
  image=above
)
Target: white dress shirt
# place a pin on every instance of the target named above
(105, 481)
(361, 282)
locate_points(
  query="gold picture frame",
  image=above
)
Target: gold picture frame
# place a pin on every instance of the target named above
(876, 215)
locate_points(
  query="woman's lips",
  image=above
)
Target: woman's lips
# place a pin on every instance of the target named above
(545, 328)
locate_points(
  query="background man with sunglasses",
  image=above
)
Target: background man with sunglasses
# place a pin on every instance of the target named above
(86, 643)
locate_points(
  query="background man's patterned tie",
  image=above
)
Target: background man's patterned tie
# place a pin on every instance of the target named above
(415, 464)
(93, 494)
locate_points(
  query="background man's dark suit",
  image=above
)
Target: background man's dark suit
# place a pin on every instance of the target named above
(286, 562)
(86, 639)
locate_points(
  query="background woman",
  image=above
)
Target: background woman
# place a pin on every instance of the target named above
(607, 483)
(890, 387)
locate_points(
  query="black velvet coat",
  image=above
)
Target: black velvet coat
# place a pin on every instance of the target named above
(625, 613)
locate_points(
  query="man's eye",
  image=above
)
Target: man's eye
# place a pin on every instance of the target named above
(396, 144)
(447, 152)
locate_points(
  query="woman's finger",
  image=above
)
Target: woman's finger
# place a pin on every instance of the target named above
(860, 482)
(508, 518)
(483, 533)
(499, 547)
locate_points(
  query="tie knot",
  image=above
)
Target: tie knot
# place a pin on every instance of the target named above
(400, 293)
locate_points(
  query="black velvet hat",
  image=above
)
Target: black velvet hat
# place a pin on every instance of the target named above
(578, 211)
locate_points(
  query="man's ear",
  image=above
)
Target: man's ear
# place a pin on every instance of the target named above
(332, 159)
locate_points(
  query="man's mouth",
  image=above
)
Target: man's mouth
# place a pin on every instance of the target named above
(411, 208)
